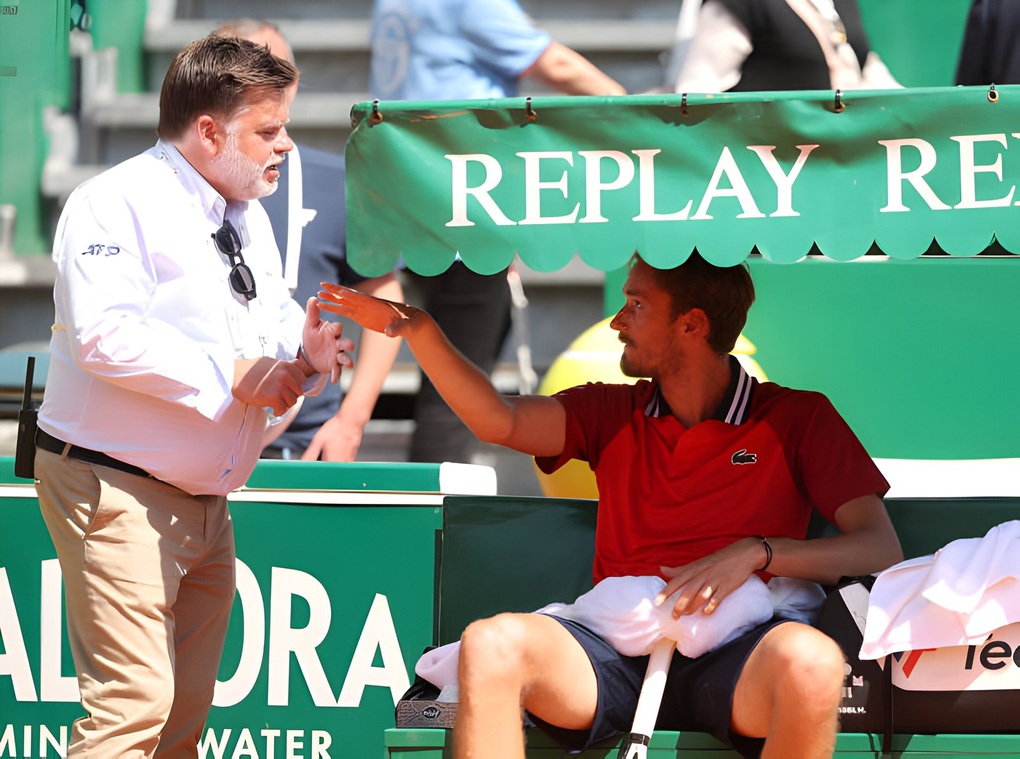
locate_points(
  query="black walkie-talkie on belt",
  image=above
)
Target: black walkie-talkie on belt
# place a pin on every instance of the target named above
(24, 454)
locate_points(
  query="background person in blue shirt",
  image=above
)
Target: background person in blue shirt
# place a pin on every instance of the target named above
(466, 50)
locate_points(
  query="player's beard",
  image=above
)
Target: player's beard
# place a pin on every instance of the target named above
(668, 358)
(630, 364)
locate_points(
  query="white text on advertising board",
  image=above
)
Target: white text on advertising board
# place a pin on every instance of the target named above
(268, 638)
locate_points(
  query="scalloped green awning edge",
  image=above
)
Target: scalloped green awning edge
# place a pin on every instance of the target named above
(903, 173)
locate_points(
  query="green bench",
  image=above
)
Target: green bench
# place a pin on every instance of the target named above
(517, 554)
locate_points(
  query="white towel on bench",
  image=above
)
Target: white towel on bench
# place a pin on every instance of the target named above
(954, 597)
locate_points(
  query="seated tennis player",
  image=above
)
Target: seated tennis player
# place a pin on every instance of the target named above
(705, 476)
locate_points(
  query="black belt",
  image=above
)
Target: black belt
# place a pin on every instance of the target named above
(47, 442)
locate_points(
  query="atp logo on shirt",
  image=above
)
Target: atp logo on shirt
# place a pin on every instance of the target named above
(743, 457)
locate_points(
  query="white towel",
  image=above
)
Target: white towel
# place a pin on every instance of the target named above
(622, 610)
(800, 600)
(954, 597)
(439, 665)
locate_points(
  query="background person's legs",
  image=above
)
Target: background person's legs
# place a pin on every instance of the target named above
(474, 312)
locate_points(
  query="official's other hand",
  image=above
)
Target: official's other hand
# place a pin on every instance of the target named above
(268, 382)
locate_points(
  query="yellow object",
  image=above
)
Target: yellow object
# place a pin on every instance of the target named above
(595, 357)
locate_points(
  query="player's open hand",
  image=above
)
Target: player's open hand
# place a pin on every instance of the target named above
(376, 314)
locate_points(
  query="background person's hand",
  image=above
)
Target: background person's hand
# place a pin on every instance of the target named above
(336, 440)
(324, 344)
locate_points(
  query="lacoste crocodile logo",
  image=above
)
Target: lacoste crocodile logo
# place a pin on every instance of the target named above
(743, 457)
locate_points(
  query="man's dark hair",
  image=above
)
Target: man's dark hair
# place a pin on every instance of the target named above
(217, 75)
(724, 293)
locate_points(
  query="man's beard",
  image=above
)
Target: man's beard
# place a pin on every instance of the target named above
(637, 366)
(242, 173)
(627, 365)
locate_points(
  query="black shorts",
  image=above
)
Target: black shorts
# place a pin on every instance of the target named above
(698, 694)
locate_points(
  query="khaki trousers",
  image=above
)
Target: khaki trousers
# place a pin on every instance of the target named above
(149, 582)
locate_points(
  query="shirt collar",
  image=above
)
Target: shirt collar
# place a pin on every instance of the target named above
(213, 205)
(735, 403)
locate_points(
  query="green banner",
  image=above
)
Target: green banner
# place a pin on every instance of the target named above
(785, 174)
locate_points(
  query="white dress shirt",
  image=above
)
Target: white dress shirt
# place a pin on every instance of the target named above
(148, 328)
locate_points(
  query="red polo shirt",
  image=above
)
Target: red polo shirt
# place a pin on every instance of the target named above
(669, 494)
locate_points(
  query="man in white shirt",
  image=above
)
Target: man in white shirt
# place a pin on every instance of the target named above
(174, 346)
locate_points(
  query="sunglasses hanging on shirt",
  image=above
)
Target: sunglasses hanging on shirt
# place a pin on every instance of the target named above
(228, 242)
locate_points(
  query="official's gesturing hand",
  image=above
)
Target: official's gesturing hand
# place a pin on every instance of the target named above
(323, 343)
